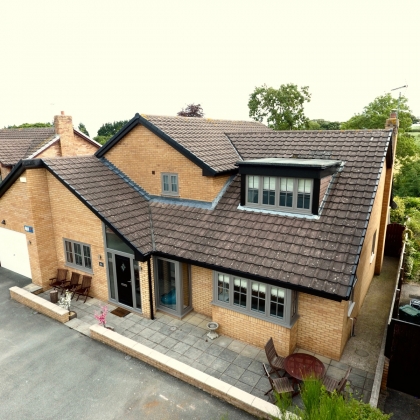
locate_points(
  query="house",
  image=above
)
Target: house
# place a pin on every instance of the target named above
(271, 234)
(29, 143)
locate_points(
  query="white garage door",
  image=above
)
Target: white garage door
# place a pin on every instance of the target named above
(14, 252)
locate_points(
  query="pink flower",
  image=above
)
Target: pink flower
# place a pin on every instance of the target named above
(101, 317)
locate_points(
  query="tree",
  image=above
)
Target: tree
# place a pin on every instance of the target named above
(192, 110)
(30, 125)
(83, 129)
(107, 130)
(407, 180)
(325, 125)
(377, 112)
(282, 107)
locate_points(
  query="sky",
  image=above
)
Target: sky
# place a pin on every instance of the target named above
(104, 61)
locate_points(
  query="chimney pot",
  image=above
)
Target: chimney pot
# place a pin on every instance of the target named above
(62, 112)
(393, 114)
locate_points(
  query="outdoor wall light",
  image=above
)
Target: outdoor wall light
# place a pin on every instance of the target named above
(3, 222)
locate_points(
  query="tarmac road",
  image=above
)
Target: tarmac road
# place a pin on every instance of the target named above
(49, 371)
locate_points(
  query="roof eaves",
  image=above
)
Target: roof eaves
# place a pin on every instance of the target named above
(274, 282)
(138, 119)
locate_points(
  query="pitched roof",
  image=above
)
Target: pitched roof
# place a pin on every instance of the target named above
(108, 195)
(20, 143)
(202, 140)
(315, 256)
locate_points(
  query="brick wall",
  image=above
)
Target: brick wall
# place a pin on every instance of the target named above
(141, 152)
(83, 147)
(253, 330)
(73, 220)
(321, 325)
(4, 171)
(202, 290)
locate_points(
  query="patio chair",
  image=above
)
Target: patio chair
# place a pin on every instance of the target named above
(70, 284)
(276, 361)
(83, 289)
(279, 385)
(61, 277)
(332, 384)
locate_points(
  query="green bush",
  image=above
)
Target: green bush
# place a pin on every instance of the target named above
(321, 405)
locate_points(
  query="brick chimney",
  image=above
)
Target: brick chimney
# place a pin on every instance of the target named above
(393, 123)
(63, 125)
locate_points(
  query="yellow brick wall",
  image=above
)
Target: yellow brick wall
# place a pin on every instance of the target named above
(53, 151)
(73, 220)
(320, 325)
(253, 330)
(202, 290)
(145, 290)
(82, 147)
(4, 171)
(141, 152)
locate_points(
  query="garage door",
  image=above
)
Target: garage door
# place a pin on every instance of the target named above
(14, 252)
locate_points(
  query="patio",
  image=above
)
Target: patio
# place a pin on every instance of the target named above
(229, 360)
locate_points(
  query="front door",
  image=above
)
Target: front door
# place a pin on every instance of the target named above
(124, 280)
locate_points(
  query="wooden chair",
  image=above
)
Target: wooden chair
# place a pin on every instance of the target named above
(332, 384)
(70, 284)
(83, 289)
(61, 277)
(276, 361)
(279, 385)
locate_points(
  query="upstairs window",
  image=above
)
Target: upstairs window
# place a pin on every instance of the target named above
(170, 184)
(280, 193)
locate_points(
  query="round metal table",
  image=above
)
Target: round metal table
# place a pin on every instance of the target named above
(301, 366)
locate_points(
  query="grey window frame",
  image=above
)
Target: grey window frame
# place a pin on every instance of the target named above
(73, 264)
(276, 206)
(170, 192)
(288, 318)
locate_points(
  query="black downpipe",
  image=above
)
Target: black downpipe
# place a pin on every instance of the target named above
(149, 275)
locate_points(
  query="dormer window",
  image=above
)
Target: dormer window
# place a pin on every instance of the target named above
(288, 185)
(282, 193)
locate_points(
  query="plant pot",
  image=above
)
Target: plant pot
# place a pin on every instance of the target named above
(54, 296)
(72, 315)
(212, 326)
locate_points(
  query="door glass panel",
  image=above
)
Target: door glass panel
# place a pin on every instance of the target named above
(166, 284)
(111, 275)
(186, 295)
(124, 280)
(137, 284)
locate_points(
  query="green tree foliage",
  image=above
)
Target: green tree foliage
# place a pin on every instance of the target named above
(408, 213)
(192, 110)
(377, 112)
(31, 125)
(407, 180)
(83, 129)
(282, 108)
(107, 130)
(325, 125)
(320, 405)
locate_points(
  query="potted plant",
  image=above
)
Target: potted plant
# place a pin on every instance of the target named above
(65, 302)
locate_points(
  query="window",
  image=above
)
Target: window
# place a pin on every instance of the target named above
(170, 184)
(260, 300)
(279, 193)
(78, 255)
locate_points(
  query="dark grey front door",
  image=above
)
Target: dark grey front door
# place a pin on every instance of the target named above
(124, 280)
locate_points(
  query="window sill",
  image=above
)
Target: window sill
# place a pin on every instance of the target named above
(79, 268)
(254, 314)
(279, 212)
(170, 195)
